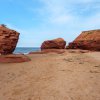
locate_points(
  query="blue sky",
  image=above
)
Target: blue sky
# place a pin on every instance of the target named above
(39, 20)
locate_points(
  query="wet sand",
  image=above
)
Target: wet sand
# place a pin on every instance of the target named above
(67, 76)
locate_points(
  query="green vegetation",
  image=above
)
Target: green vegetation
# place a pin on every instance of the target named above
(3, 25)
(90, 32)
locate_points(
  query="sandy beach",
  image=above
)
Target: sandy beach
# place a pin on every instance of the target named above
(66, 76)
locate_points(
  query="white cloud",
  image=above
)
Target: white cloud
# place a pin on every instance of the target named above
(67, 18)
(63, 11)
(70, 15)
(61, 19)
(54, 11)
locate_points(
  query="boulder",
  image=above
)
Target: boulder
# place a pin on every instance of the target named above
(58, 43)
(8, 40)
(88, 40)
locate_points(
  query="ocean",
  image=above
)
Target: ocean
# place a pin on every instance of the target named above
(26, 50)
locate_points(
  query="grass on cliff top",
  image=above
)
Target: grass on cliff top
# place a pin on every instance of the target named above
(90, 32)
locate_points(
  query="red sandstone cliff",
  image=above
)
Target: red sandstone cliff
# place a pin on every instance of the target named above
(89, 40)
(8, 40)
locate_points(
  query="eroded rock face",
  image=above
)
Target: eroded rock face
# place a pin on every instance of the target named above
(8, 40)
(58, 43)
(89, 40)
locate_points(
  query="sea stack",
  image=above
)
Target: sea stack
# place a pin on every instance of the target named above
(8, 40)
(58, 43)
(88, 40)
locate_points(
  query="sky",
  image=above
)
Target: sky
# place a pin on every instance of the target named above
(40, 20)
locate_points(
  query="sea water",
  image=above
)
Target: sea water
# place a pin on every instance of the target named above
(26, 50)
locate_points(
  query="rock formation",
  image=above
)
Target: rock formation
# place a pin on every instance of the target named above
(58, 43)
(46, 51)
(8, 40)
(89, 40)
(14, 58)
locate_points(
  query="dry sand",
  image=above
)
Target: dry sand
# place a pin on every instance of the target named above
(67, 76)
